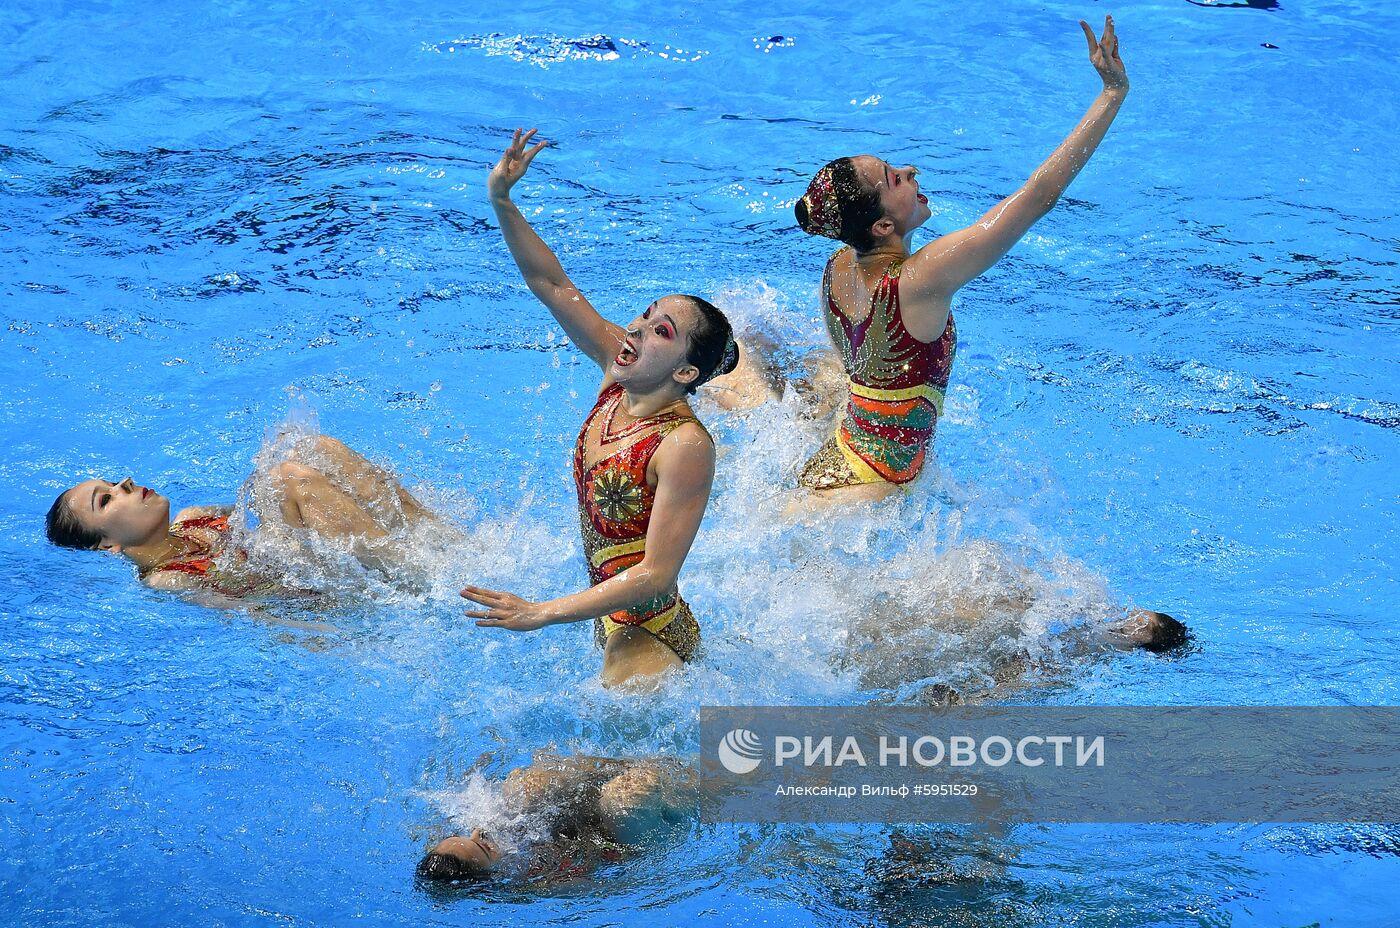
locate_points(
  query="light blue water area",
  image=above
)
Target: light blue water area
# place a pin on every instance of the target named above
(1179, 391)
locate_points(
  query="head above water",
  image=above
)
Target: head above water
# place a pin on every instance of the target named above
(107, 516)
(681, 340)
(862, 201)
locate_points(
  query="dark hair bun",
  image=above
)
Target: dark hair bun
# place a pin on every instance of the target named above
(712, 349)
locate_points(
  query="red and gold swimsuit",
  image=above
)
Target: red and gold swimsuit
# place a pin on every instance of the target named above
(614, 502)
(897, 384)
(208, 536)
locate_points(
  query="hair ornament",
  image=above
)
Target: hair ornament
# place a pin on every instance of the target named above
(731, 355)
(823, 207)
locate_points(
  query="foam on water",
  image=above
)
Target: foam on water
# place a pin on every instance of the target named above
(824, 586)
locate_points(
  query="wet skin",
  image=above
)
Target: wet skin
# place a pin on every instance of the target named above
(124, 513)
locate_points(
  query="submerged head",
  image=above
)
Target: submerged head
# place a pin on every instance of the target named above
(1155, 631)
(680, 340)
(862, 201)
(101, 515)
(469, 858)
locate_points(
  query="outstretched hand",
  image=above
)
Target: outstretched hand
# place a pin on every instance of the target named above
(513, 164)
(1103, 54)
(504, 610)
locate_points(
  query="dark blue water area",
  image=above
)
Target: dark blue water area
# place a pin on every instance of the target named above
(1180, 391)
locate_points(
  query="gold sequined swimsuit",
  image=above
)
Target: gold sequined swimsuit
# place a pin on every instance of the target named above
(615, 502)
(897, 384)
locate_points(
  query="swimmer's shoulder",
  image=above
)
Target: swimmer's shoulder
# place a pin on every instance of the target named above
(687, 453)
(690, 433)
(840, 262)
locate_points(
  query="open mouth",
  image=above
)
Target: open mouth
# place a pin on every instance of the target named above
(627, 356)
(922, 199)
(145, 493)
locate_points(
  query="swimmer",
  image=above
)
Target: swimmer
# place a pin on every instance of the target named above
(1139, 630)
(594, 808)
(327, 489)
(643, 464)
(892, 664)
(987, 611)
(888, 311)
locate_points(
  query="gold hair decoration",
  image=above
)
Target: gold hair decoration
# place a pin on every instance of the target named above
(823, 208)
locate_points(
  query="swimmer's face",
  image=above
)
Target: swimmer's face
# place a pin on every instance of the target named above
(123, 513)
(657, 344)
(476, 851)
(905, 207)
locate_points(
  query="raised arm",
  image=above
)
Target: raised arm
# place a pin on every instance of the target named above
(685, 468)
(594, 335)
(942, 267)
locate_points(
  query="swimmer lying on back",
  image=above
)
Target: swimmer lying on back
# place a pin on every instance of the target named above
(327, 489)
(643, 463)
(1012, 674)
(984, 632)
(596, 808)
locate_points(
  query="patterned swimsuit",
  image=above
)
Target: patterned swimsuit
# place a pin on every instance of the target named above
(897, 384)
(208, 535)
(615, 504)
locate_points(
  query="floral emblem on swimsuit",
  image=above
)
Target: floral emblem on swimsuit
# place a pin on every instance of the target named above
(617, 496)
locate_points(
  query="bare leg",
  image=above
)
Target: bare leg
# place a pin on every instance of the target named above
(562, 790)
(374, 487)
(579, 763)
(310, 501)
(822, 385)
(550, 784)
(996, 587)
(755, 380)
(633, 657)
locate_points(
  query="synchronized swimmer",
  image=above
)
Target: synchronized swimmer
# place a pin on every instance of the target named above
(889, 311)
(643, 464)
(593, 808)
(326, 489)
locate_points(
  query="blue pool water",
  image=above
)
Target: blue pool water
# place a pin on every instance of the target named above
(1182, 391)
